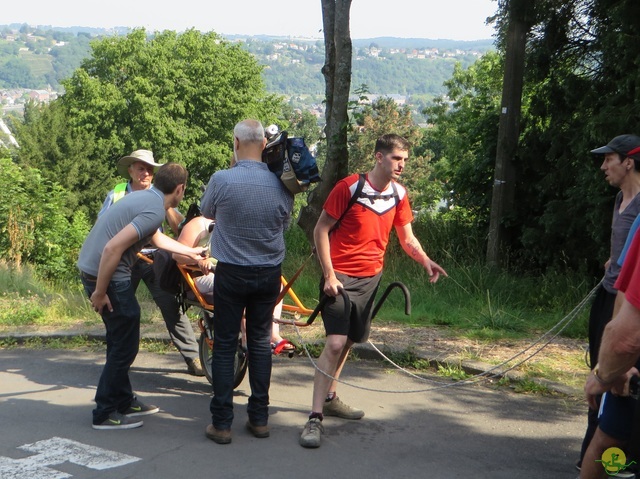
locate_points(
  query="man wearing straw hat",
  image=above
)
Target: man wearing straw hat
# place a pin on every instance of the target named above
(138, 168)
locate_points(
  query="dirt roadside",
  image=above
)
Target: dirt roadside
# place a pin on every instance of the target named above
(559, 366)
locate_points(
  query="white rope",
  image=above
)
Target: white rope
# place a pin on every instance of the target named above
(492, 373)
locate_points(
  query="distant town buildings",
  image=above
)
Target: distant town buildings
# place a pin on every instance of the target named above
(16, 98)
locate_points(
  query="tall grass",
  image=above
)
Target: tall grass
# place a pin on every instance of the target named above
(474, 300)
(28, 300)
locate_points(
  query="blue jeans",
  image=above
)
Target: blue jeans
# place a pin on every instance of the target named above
(114, 391)
(252, 291)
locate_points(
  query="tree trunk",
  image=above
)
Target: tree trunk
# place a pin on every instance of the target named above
(502, 201)
(337, 77)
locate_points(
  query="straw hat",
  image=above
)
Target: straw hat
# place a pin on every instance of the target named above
(143, 156)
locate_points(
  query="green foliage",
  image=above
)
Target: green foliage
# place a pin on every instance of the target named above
(177, 95)
(17, 310)
(408, 359)
(35, 229)
(63, 154)
(578, 94)
(452, 371)
(16, 73)
(464, 136)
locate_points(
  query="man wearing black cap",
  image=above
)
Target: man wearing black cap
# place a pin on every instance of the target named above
(621, 166)
(138, 168)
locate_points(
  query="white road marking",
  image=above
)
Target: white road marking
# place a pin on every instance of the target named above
(58, 450)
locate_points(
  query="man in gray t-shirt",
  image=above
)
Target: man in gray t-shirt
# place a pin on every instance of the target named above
(105, 262)
(139, 167)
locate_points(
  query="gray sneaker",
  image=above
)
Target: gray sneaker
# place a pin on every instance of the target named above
(312, 433)
(118, 421)
(337, 408)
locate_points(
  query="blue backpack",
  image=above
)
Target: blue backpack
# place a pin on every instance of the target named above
(291, 161)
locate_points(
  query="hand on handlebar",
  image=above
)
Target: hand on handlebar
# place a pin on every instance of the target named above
(332, 287)
(205, 265)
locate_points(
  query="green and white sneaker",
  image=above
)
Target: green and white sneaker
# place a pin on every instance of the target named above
(118, 421)
(138, 408)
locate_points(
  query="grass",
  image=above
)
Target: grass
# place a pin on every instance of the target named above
(474, 302)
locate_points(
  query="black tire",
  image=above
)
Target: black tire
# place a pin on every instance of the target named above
(239, 365)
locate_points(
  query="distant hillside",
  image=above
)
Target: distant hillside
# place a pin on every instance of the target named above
(39, 57)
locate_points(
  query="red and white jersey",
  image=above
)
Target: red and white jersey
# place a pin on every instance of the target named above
(629, 279)
(359, 243)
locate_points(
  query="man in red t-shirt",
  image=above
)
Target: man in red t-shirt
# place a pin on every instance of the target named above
(351, 254)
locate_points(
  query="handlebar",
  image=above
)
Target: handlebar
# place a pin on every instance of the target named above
(407, 298)
(323, 301)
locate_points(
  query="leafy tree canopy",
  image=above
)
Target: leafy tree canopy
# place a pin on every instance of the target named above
(179, 95)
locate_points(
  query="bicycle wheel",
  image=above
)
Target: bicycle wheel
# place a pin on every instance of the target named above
(240, 363)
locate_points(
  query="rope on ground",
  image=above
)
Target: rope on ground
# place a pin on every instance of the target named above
(492, 373)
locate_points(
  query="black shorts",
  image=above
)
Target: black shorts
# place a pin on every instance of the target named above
(362, 294)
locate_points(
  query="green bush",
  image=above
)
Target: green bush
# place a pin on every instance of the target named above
(35, 229)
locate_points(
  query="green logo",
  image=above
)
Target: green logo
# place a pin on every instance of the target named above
(614, 461)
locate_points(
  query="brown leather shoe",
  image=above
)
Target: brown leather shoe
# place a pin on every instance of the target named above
(258, 431)
(219, 436)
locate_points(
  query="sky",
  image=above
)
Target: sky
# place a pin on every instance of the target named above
(433, 19)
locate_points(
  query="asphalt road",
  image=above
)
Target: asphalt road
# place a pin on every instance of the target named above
(46, 397)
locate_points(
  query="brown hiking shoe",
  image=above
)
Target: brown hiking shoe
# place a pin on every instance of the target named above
(337, 408)
(219, 436)
(312, 433)
(258, 431)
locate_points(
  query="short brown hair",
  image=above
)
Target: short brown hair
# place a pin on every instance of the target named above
(169, 176)
(389, 142)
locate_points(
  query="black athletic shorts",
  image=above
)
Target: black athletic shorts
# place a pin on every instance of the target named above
(362, 294)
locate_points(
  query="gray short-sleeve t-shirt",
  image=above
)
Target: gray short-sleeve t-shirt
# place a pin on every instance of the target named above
(144, 210)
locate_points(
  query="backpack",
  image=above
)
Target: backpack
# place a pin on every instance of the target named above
(291, 161)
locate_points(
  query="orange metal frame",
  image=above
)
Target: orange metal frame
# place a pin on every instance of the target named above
(187, 273)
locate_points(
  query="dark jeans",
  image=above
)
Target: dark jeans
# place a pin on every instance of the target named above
(238, 290)
(114, 391)
(178, 324)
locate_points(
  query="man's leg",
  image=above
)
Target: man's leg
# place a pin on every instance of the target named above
(178, 324)
(265, 287)
(229, 292)
(122, 325)
(331, 361)
(599, 315)
(600, 442)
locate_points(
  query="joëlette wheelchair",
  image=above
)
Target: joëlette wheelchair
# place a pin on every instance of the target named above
(294, 308)
(189, 296)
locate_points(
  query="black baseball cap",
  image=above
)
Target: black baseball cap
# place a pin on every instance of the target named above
(624, 145)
